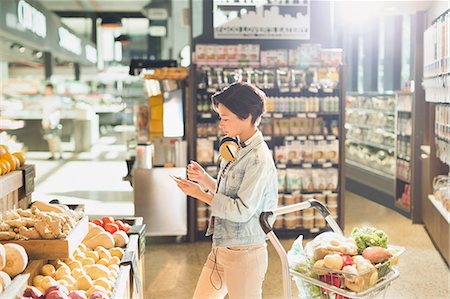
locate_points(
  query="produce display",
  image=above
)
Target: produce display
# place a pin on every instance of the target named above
(108, 235)
(41, 221)
(354, 263)
(10, 161)
(88, 273)
(13, 261)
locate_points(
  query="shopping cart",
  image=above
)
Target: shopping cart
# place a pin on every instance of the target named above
(333, 284)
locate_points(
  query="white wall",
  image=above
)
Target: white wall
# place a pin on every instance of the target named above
(437, 8)
(177, 33)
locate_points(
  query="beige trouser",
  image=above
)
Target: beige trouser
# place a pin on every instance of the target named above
(238, 271)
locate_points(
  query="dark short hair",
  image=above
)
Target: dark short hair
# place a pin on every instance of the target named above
(49, 85)
(242, 99)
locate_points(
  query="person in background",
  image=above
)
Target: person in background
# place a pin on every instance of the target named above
(244, 188)
(51, 108)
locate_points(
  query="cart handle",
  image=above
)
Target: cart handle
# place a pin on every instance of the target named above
(267, 228)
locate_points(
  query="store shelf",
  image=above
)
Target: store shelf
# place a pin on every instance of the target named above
(439, 207)
(380, 146)
(305, 114)
(370, 170)
(369, 127)
(404, 180)
(386, 112)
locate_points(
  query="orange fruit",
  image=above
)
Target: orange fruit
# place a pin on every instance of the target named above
(6, 166)
(21, 157)
(17, 161)
(10, 158)
(3, 168)
(2, 150)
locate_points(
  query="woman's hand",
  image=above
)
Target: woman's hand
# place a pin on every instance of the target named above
(195, 172)
(194, 190)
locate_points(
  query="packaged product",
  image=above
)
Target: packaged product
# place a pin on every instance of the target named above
(281, 180)
(205, 150)
(200, 53)
(280, 199)
(294, 179)
(306, 180)
(331, 57)
(284, 126)
(290, 221)
(332, 179)
(279, 222)
(281, 154)
(310, 54)
(293, 151)
(289, 199)
(332, 199)
(318, 150)
(319, 179)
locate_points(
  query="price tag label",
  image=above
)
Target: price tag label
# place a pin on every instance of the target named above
(320, 137)
(290, 138)
(267, 115)
(312, 115)
(277, 115)
(281, 166)
(267, 138)
(331, 137)
(313, 89)
(284, 90)
(328, 90)
(314, 230)
(295, 89)
(307, 165)
(326, 192)
(206, 115)
(301, 138)
(302, 115)
(327, 165)
(211, 89)
(212, 138)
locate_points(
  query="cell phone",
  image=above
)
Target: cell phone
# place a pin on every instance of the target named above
(174, 177)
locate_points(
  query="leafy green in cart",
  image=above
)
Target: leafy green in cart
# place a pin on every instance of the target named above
(369, 236)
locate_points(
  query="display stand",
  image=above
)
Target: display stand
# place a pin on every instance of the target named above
(436, 78)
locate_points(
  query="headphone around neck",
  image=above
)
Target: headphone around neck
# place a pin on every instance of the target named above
(229, 148)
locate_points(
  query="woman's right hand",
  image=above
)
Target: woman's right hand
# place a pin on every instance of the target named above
(196, 172)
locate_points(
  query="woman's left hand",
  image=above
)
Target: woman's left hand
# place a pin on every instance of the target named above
(190, 188)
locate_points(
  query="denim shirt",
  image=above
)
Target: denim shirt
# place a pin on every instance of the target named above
(249, 187)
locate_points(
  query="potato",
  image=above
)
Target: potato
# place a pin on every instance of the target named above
(82, 247)
(16, 259)
(84, 283)
(88, 261)
(76, 273)
(97, 271)
(37, 280)
(61, 272)
(69, 278)
(103, 253)
(47, 282)
(103, 261)
(75, 265)
(114, 260)
(48, 270)
(93, 254)
(333, 261)
(104, 282)
(117, 251)
(376, 254)
(95, 288)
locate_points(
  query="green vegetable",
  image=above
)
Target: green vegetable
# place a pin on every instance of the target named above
(369, 236)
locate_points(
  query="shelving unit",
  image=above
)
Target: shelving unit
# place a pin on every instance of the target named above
(303, 127)
(436, 80)
(371, 146)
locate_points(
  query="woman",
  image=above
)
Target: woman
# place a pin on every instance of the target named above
(245, 187)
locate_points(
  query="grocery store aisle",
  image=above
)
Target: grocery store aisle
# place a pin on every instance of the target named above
(172, 268)
(93, 178)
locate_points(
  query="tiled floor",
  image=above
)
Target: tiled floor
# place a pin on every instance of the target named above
(172, 268)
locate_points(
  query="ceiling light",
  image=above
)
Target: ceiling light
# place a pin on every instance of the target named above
(22, 49)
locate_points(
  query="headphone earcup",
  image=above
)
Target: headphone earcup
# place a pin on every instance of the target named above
(228, 148)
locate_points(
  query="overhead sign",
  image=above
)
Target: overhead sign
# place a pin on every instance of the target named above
(31, 19)
(69, 41)
(262, 19)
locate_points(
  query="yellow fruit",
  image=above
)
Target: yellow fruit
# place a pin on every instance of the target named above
(70, 279)
(103, 253)
(47, 282)
(82, 247)
(3, 168)
(21, 157)
(78, 272)
(61, 272)
(10, 158)
(84, 283)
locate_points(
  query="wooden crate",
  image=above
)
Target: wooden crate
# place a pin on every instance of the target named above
(55, 249)
(16, 188)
